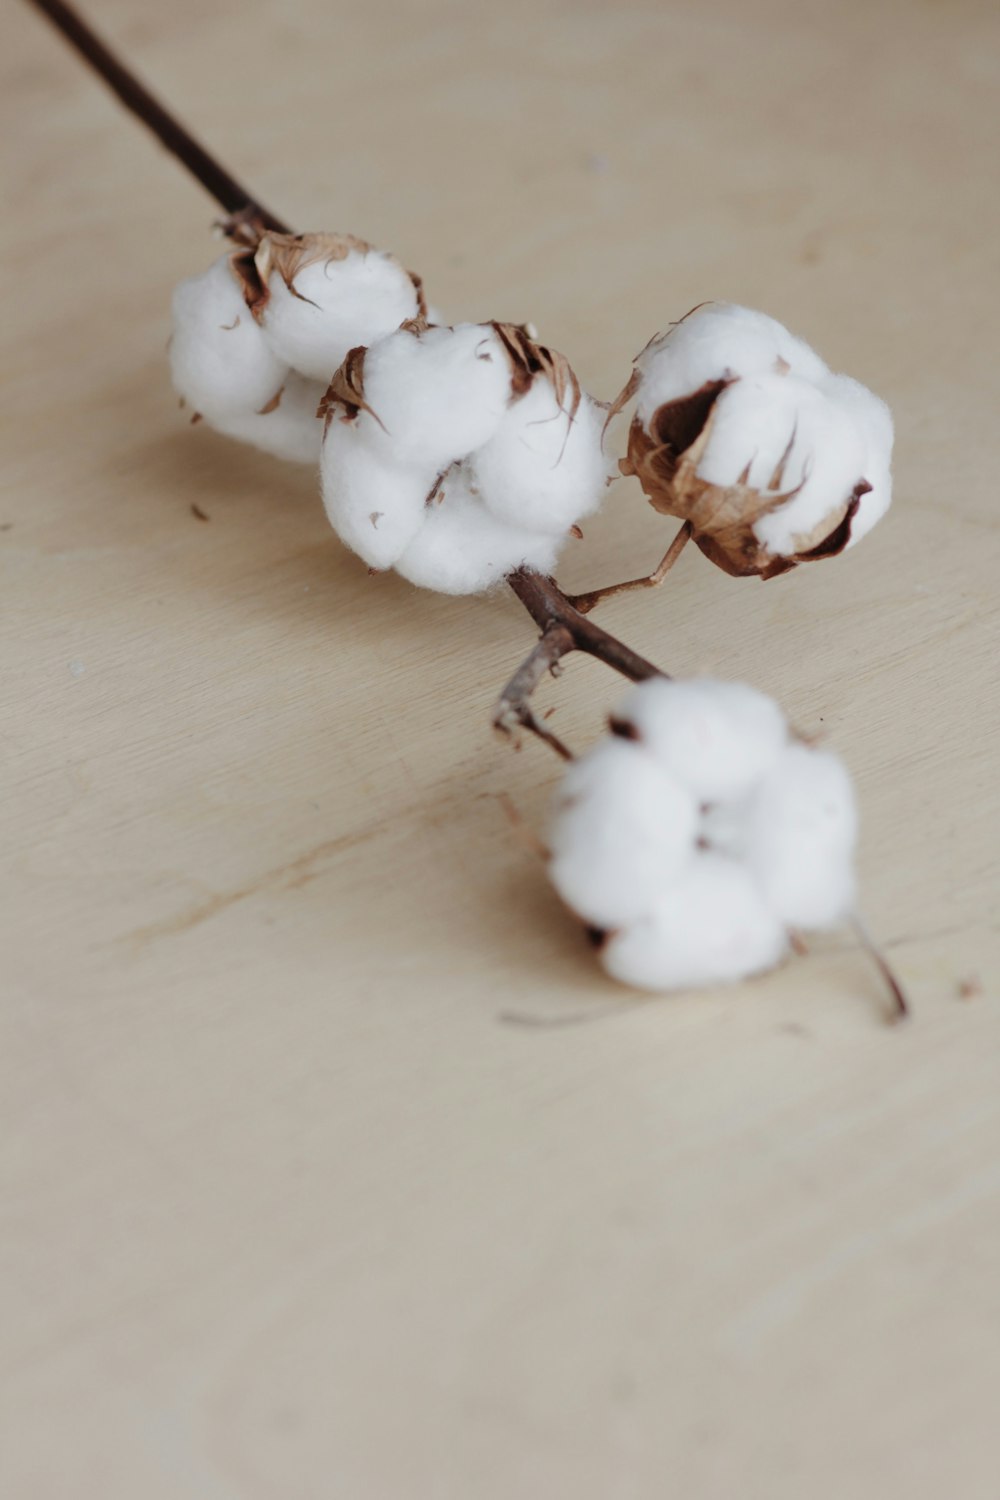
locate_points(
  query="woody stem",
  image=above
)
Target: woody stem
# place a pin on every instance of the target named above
(169, 131)
(563, 630)
(542, 598)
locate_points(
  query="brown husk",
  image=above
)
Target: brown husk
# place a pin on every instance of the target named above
(288, 254)
(665, 458)
(528, 358)
(345, 395)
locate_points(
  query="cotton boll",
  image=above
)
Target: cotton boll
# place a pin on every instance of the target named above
(874, 419)
(375, 506)
(712, 926)
(544, 467)
(333, 305)
(436, 395)
(220, 359)
(720, 341)
(801, 835)
(741, 431)
(717, 738)
(290, 430)
(461, 549)
(621, 834)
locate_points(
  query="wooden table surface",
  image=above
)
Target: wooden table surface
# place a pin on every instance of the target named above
(290, 1211)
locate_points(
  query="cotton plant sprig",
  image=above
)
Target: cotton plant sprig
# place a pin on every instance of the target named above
(703, 837)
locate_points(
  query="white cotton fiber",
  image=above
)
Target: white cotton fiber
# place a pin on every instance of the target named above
(504, 477)
(825, 459)
(622, 832)
(754, 427)
(701, 835)
(291, 430)
(335, 305)
(717, 738)
(874, 420)
(801, 834)
(436, 395)
(375, 506)
(711, 927)
(719, 341)
(462, 549)
(220, 359)
(544, 467)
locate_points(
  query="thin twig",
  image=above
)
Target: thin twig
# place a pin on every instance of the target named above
(225, 189)
(563, 630)
(513, 707)
(901, 1006)
(548, 605)
(586, 602)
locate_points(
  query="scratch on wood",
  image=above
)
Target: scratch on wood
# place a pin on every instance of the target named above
(288, 877)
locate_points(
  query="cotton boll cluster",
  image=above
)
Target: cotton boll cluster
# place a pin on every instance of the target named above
(456, 455)
(257, 336)
(701, 835)
(741, 429)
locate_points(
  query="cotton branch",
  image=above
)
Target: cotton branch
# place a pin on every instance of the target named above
(561, 620)
(564, 628)
(230, 194)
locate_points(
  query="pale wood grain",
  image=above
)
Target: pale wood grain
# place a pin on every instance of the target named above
(289, 1211)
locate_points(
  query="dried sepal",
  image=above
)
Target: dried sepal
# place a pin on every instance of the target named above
(665, 455)
(288, 254)
(415, 326)
(528, 359)
(273, 404)
(418, 287)
(345, 395)
(623, 398)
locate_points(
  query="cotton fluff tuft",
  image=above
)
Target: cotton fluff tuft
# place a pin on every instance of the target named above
(544, 467)
(716, 738)
(701, 835)
(258, 335)
(802, 828)
(434, 396)
(331, 305)
(462, 549)
(456, 455)
(622, 827)
(712, 927)
(220, 359)
(287, 429)
(741, 429)
(718, 341)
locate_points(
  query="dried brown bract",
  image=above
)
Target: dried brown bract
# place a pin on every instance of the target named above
(665, 456)
(289, 254)
(529, 358)
(345, 395)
